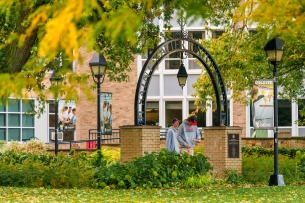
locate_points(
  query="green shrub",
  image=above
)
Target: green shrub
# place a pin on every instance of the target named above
(257, 169)
(199, 149)
(290, 152)
(232, 177)
(44, 170)
(198, 181)
(164, 169)
(106, 155)
(258, 165)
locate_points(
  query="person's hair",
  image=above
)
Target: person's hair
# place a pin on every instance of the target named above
(74, 109)
(110, 106)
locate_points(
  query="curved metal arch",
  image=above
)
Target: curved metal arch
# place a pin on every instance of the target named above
(177, 46)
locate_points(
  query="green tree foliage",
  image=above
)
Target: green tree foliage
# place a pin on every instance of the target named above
(35, 34)
(239, 52)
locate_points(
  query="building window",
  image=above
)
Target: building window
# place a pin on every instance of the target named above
(284, 112)
(67, 135)
(301, 112)
(152, 113)
(196, 35)
(172, 61)
(217, 33)
(15, 123)
(200, 114)
(172, 64)
(215, 115)
(173, 109)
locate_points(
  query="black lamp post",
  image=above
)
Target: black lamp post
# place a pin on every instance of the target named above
(55, 79)
(182, 75)
(274, 50)
(98, 66)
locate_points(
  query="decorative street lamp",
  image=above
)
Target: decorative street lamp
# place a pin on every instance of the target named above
(182, 75)
(274, 50)
(98, 66)
(55, 79)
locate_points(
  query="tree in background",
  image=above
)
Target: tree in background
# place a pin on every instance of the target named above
(41, 35)
(239, 52)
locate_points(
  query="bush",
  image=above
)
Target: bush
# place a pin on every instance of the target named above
(232, 177)
(164, 169)
(258, 165)
(198, 181)
(44, 170)
(32, 146)
(290, 152)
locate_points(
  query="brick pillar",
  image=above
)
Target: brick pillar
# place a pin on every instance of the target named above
(223, 146)
(135, 140)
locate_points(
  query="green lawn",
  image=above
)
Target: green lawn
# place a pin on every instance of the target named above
(247, 194)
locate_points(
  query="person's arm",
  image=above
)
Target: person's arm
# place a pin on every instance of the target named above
(181, 136)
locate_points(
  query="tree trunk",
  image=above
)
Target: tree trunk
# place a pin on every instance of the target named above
(16, 55)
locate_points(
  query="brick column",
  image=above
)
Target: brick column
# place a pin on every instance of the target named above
(223, 146)
(135, 140)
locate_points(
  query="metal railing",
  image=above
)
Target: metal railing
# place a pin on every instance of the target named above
(114, 138)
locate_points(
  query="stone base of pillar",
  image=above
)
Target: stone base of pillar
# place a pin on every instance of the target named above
(223, 146)
(135, 140)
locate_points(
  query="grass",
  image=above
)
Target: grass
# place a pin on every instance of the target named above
(207, 194)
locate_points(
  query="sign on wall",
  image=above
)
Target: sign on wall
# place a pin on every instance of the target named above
(67, 115)
(106, 113)
(262, 104)
(233, 145)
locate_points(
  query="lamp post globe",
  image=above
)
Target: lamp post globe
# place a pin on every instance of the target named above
(98, 65)
(55, 79)
(274, 50)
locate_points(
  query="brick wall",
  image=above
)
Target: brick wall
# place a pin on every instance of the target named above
(135, 140)
(239, 117)
(123, 95)
(293, 142)
(216, 148)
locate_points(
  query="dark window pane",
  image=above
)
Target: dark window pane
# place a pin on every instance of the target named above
(13, 134)
(173, 109)
(152, 113)
(27, 133)
(284, 112)
(26, 105)
(2, 119)
(52, 121)
(301, 112)
(14, 120)
(198, 35)
(27, 120)
(68, 136)
(172, 64)
(216, 120)
(201, 115)
(2, 134)
(51, 107)
(14, 106)
(2, 108)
